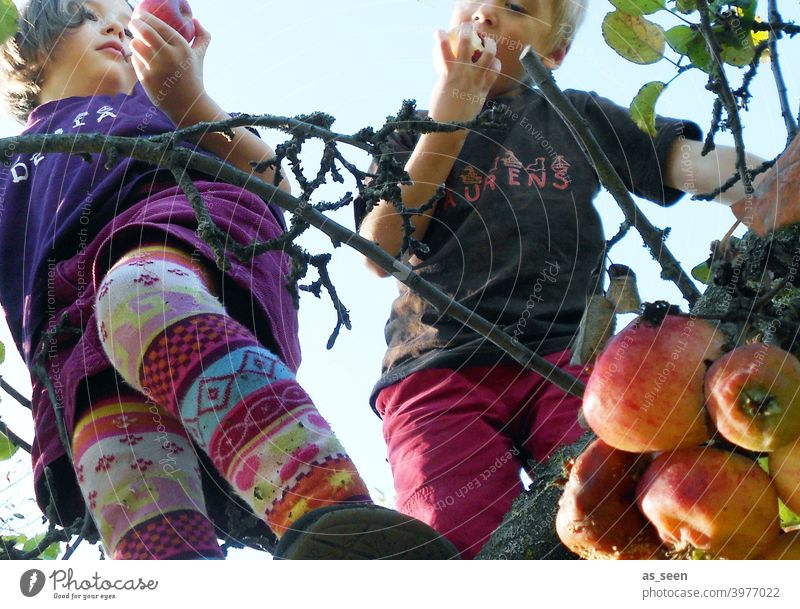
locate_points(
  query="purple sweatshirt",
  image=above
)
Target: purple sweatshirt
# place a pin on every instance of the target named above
(53, 205)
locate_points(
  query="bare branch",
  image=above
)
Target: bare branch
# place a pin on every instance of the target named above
(652, 236)
(15, 439)
(23, 401)
(783, 96)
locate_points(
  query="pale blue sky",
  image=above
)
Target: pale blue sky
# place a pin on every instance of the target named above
(357, 61)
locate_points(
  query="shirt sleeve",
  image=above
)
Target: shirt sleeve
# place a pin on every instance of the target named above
(639, 158)
(400, 144)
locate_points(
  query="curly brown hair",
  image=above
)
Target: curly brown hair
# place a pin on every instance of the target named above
(41, 24)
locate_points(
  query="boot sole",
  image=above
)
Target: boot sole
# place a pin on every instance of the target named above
(362, 533)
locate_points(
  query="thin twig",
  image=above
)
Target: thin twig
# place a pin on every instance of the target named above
(23, 401)
(733, 180)
(783, 95)
(85, 527)
(609, 178)
(718, 83)
(15, 439)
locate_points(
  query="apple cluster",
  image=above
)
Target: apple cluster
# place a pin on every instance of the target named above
(682, 421)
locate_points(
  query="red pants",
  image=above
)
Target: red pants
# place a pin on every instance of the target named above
(457, 440)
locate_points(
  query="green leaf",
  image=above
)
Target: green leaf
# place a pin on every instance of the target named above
(686, 6)
(7, 448)
(643, 106)
(2, 352)
(737, 52)
(634, 38)
(702, 272)
(52, 551)
(699, 54)
(639, 7)
(679, 37)
(9, 20)
(788, 517)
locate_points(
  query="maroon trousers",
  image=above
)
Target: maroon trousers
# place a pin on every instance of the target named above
(457, 440)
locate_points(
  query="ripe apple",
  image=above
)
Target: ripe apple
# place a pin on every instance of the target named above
(786, 547)
(175, 13)
(597, 514)
(711, 500)
(645, 392)
(784, 469)
(476, 43)
(753, 397)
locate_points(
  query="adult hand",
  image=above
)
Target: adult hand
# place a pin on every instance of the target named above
(776, 202)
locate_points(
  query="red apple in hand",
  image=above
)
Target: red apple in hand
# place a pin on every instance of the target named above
(646, 389)
(753, 397)
(711, 500)
(784, 469)
(175, 13)
(597, 514)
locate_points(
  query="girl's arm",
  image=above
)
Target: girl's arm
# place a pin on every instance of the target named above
(171, 72)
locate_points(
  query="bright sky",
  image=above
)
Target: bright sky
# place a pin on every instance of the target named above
(357, 61)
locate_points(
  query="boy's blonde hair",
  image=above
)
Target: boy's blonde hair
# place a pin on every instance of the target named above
(567, 18)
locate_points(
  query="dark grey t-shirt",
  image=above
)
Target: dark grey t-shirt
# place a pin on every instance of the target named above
(517, 238)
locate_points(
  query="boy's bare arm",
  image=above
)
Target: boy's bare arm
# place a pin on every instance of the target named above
(689, 171)
(458, 96)
(171, 71)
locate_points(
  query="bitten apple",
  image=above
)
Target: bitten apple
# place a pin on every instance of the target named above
(753, 397)
(597, 514)
(784, 469)
(711, 500)
(175, 13)
(646, 389)
(476, 43)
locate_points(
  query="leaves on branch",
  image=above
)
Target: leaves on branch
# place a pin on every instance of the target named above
(639, 7)
(634, 38)
(643, 106)
(9, 20)
(7, 448)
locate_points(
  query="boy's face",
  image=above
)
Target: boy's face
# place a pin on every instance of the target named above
(513, 24)
(93, 58)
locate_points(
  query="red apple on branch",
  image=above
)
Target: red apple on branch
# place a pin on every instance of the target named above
(711, 500)
(753, 397)
(175, 13)
(646, 389)
(597, 515)
(784, 469)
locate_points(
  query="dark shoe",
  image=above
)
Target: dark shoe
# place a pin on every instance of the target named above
(362, 532)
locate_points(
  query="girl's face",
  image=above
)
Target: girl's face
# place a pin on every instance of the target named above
(93, 58)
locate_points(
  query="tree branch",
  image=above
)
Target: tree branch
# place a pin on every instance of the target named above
(23, 401)
(652, 236)
(15, 439)
(783, 96)
(718, 83)
(153, 150)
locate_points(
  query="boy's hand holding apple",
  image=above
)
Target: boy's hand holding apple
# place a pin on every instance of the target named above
(467, 73)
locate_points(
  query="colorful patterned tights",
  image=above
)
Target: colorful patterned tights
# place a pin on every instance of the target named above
(172, 341)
